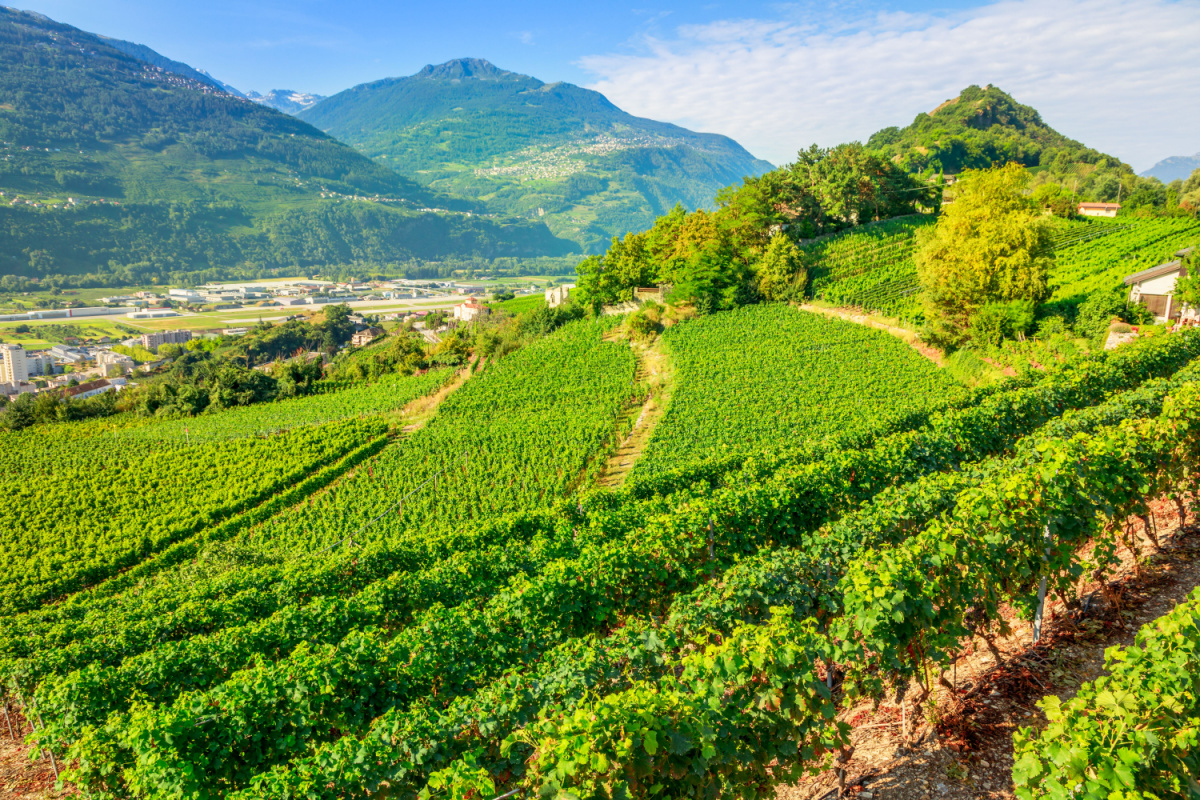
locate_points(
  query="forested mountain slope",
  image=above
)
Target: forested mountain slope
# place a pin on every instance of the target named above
(544, 151)
(985, 127)
(121, 171)
(156, 59)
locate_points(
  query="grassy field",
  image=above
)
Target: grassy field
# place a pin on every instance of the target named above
(89, 297)
(47, 332)
(519, 304)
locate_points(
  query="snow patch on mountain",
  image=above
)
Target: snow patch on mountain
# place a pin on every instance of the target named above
(286, 100)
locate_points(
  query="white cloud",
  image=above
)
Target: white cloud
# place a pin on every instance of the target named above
(1123, 77)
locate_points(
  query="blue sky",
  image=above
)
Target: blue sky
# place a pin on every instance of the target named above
(1120, 75)
(323, 47)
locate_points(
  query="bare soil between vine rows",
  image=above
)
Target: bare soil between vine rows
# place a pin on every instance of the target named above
(21, 778)
(969, 752)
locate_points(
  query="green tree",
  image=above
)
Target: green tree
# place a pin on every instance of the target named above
(1055, 199)
(780, 272)
(19, 413)
(1187, 287)
(990, 244)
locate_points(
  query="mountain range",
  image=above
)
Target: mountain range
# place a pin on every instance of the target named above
(543, 151)
(120, 165)
(286, 100)
(131, 168)
(143, 53)
(1175, 168)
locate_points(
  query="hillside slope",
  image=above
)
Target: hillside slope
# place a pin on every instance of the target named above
(126, 171)
(984, 127)
(155, 59)
(543, 151)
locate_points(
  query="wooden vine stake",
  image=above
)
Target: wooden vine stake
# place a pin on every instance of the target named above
(49, 752)
(27, 708)
(8, 720)
(1041, 605)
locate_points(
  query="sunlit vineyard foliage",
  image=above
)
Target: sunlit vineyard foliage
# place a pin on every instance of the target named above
(419, 651)
(85, 507)
(519, 435)
(1101, 262)
(390, 394)
(770, 375)
(1137, 726)
(870, 267)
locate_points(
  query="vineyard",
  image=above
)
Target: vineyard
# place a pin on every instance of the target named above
(869, 268)
(166, 492)
(519, 435)
(873, 268)
(269, 418)
(1101, 262)
(1135, 728)
(439, 618)
(298, 600)
(767, 376)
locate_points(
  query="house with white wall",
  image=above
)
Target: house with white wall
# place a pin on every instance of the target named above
(1155, 289)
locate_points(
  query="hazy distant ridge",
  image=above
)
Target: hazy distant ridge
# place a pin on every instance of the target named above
(1175, 168)
(154, 58)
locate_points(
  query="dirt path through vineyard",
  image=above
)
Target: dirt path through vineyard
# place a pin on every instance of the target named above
(419, 411)
(858, 317)
(655, 368)
(20, 777)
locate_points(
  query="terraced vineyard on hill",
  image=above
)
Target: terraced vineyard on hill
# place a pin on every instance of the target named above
(131, 500)
(870, 267)
(268, 418)
(1101, 262)
(873, 269)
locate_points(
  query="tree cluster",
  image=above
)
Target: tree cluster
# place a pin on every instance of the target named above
(746, 248)
(55, 406)
(985, 264)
